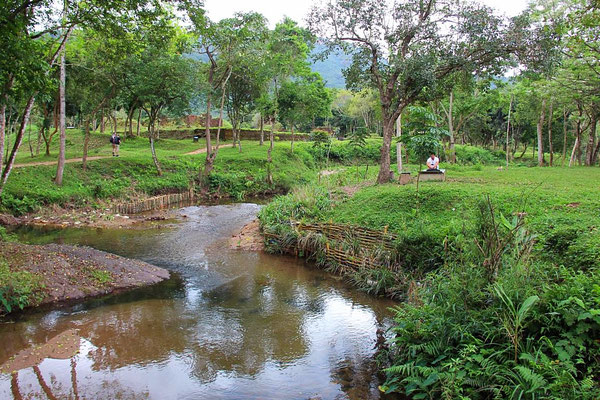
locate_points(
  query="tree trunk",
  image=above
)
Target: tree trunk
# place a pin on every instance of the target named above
(102, 122)
(577, 143)
(540, 134)
(239, 136)
(2, 131)
(550, 146)
(210, 158)
(61, 120)
(18, 141)
(113, 116)
(29, 142)
(399, 145)
(38, 144)
(86, 142)
(152, 149)
(451, 129)
(564, 151)
(384, 161)
(262, 130)
(508, 131)
(270, 150)
(137, 132)
(596, 153)
(591, 146)
(207, 123)
(130, 119)
(524, 150)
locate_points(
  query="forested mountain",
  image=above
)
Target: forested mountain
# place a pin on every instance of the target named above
(331, 68)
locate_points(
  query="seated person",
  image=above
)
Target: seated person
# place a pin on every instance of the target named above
(433, 163)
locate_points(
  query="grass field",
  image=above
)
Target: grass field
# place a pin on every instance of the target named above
(235, 175)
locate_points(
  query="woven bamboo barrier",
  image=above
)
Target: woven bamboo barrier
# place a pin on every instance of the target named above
(153, 203)
(336, 234)
(366, 237)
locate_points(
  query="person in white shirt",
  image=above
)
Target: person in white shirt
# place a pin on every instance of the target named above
(433, 163)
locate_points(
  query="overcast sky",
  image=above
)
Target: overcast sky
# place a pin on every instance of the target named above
(275, 10)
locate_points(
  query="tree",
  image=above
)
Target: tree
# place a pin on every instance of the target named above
(222, 42)
(163, 80)
(248, 78)
(364, 106)
(407, 49)
(288, 47)
(34, 34)
(303, 100)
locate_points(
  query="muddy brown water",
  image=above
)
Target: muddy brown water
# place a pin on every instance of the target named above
(227, 325)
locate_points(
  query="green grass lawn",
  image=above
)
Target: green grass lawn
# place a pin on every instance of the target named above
(235, 175)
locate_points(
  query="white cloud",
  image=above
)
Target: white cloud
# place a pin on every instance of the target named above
(274, 11)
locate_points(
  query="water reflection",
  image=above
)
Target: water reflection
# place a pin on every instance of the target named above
(229, 325)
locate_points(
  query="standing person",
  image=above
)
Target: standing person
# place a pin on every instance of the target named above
(433, 163)
(116, 141)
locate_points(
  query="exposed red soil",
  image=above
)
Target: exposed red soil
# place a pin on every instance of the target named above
(249, 238)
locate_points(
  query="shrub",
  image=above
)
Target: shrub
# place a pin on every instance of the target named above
(18, 289)
(470, 155)
(527, 331)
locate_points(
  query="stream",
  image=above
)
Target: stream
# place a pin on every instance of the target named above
(228, 324)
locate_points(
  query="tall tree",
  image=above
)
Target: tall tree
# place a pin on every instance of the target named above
(302, 100)
(248, 77)
(405, 49)
(288, 46)
(222, 42)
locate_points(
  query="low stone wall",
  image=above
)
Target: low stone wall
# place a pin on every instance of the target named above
(227, 134)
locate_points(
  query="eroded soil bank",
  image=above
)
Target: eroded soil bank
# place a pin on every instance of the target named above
(68, 273)
(88, 217)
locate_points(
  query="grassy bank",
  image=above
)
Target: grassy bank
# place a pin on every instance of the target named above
(236, 175)
(499, 269)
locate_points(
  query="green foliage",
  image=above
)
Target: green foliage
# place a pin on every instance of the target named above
(320, 138)
(529, 333)
(102, 277)
(424, 136)
(17, 289)
(471, 155)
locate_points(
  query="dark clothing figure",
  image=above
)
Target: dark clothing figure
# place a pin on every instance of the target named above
(116, 142)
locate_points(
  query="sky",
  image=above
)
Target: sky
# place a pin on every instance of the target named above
(275, 10)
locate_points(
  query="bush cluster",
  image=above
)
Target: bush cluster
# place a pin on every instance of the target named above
(18, 289)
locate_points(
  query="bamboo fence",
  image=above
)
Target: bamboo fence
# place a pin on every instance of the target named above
(335, 253)
(153, 203)
(367, 238)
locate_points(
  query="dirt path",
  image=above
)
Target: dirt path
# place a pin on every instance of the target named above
(203, 150)
(69, 161)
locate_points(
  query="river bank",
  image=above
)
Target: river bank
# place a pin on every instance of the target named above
(55, 273)
(91, 218)
(499, 270)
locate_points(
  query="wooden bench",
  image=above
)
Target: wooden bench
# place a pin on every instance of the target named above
(437, 175)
